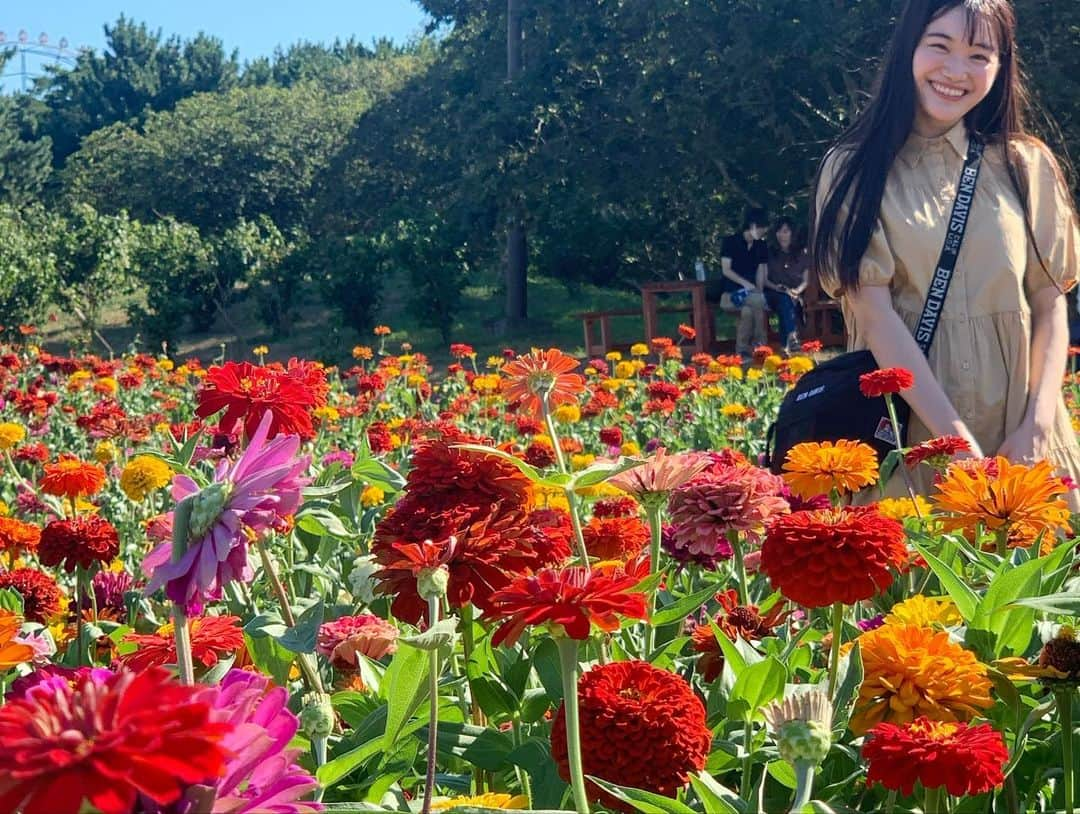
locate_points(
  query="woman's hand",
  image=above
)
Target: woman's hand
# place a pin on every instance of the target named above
(1030, 442)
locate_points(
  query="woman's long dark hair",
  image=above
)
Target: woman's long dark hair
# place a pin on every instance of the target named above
(866, 151)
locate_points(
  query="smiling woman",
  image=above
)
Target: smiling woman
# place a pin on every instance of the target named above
(946, 128)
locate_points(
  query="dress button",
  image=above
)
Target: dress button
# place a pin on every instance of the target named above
(966, 365)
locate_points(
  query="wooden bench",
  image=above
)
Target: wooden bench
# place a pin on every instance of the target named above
(820, 312)
(593, 320)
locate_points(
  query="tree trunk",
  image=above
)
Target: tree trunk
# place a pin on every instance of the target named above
(517, 257)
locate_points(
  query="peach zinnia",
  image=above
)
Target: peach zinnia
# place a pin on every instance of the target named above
(912, 671)
(813, 468)
(542, 376)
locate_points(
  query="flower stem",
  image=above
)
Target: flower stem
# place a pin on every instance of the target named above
(571, 495)
(935, 801)
(311, 675)
(1065, 716)
(523, 775)
(900, 449)
(652, 511)
(433, 709)
(748, 765)
(804, 783)
(740, 567)
(468, 644)
(890, 802)
(568, 660)
(183, 646)
(834, 651)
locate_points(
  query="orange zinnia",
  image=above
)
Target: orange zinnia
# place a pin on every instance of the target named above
(17, 536)
(542, 376)
(11, 651)
(1003, 497)
(813, 468)
(912, 671)
(71, 478)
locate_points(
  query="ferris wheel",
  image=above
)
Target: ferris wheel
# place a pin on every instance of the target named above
(31, 56)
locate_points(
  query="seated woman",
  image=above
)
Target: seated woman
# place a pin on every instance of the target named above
(788, 275)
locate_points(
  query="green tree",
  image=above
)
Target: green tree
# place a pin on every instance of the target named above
(27, 266)
(24, 165)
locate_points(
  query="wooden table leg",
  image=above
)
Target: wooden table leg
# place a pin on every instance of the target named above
(648, 309)
(702, 321)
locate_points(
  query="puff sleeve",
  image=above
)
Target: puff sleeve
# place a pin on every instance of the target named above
(1053, 224)
(878, 265)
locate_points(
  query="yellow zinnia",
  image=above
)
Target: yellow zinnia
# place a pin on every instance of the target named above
(144, 474)
(11, 434)
(372, 496)
(568, 414)
(489, 800)
(925, 611)
(912, 671)
(813, 468)
(901, 508)
(639, 349)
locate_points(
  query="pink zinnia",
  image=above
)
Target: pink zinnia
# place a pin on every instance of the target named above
(739, 498)
(344, 640)
(262, 487)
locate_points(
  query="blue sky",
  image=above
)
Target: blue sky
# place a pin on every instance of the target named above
(254, 27)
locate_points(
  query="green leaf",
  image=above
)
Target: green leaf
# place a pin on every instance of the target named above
(716, 797)
(11, 600)
(732, 657)
(270, 657)
(1067, 602)
(888, 466)
(644, 801)
(443, 634)
(1011, 628)
(531, 472)
(759, 684)
(850, 678)
(966, 599)
(302, 638)
(403, 688)
(319, 520)
(601, 471)
(378, 473)
(333, 770)
(677, 611)
(782, 772)
(487, 748)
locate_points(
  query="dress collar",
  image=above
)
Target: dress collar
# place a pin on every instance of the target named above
(916, 146)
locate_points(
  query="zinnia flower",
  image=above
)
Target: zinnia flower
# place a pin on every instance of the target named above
(735, 621)
(966, 760)
(1013, 495)
(542, 375)
(813, 468)
(885, 381)
(79, 542)
(109, 588)
(572, 599)
(925, 611)
(251, 495)
(143, 475)
(913, 671)
(11, 434)
(488, 800)
(640, 726)
(659, 475)
(724, 499)
(247, 392)
(40, 594)
(937, 451)
(261, 773)
(212, 639)
(615, 538)
(17, 536)
(71, 478)
(818, 558)
(104, 741)
(344, 640)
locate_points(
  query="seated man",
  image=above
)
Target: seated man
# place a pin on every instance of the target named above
(744, 260)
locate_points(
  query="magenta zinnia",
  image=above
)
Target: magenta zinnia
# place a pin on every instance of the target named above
(261, 488)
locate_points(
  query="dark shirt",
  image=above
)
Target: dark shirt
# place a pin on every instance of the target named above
(788, 269)
(744, 259)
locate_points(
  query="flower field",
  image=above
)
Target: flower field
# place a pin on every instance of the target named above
(525, 582)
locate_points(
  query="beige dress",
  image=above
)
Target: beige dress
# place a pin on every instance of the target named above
(981, 353)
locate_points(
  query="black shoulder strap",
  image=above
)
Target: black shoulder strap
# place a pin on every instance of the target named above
(939, 285)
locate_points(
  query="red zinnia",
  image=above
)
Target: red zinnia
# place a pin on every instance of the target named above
(245, 391)
(41, 595)
(69, 477)
(611, 436)
(615, 538)
(937, 451)
(885, 381)
(212, 639)
(530, 378)
(640, 726)
(966, 760)
(572, 598)
(734, 620)
(105, 739)
(78, 542)
(818, 558)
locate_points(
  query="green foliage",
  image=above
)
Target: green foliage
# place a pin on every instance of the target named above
(24, 164)
(27, 266)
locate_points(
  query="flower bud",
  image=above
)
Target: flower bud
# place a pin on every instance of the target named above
(317, 715)
(433, 582)
(206, 507)
(803, 740)
(362, 578)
